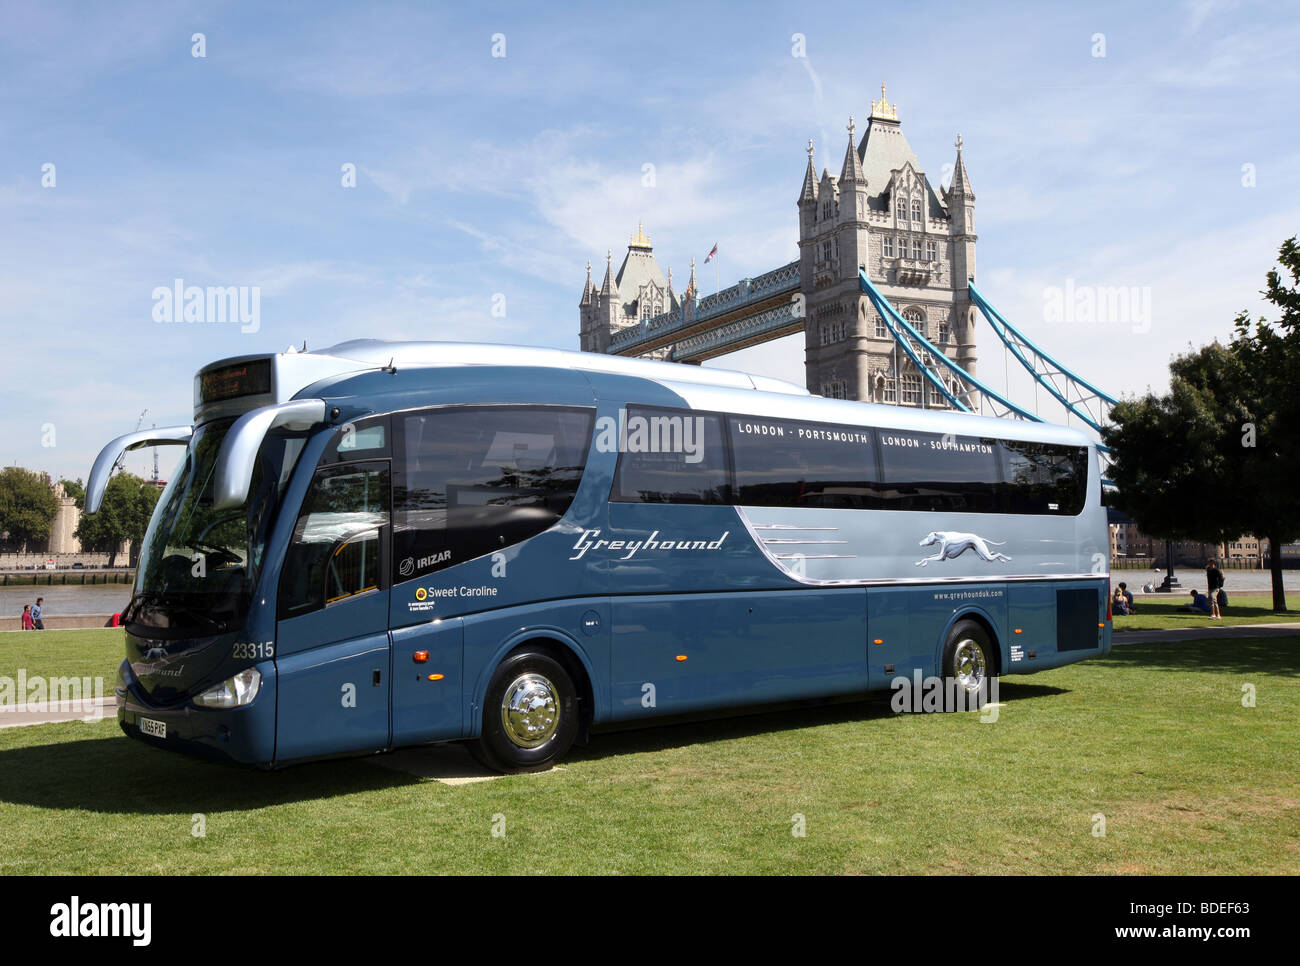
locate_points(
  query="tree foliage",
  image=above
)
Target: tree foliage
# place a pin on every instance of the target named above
(1219, 454)
(124, 515)
(75, 489)
(27, 505)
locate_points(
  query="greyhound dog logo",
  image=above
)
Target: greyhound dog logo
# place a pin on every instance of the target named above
(953, 544)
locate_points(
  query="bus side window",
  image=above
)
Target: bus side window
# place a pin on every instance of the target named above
(1044, 478)
(793, 464)
(933, 473)
(335, 551)
(672, 456)
(473, 479)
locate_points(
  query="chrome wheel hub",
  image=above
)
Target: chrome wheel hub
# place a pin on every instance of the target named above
(969, 666)
(530, 711)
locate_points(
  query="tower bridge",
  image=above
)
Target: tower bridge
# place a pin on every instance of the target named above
(883, 291)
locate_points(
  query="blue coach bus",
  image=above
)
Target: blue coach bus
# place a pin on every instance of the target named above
(388, 544)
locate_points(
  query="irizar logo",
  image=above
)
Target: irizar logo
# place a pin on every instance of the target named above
(630, 548)
(107, 920)
(429, 561)
(953, 544)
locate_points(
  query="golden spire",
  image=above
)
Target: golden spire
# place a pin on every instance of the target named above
(883, 109)
(640, 239)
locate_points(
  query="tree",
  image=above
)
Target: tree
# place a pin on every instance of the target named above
(124, 515)
(1211, 459)
(27, 505)
(75, 489)
(1271, 434)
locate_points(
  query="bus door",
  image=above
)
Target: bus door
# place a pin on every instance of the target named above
(332, 660)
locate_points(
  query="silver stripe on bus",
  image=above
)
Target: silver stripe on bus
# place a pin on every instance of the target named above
(776, 559)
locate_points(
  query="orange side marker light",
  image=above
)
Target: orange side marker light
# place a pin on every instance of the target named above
(420, 657)
(435, 677)
(681, 657)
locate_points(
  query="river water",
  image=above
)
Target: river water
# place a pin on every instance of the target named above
(65, 600)
(1238, 581)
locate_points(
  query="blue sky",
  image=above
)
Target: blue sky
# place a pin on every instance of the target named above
(480, 176)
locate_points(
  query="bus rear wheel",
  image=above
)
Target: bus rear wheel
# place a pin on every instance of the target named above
(530, 714)
(968, 664)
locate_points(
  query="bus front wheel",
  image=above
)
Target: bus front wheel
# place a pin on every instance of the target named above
(968, 664)
(530, 714)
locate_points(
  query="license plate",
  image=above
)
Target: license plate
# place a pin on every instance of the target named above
(158, 729)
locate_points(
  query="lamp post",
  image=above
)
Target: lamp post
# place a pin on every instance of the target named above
(1168, 584)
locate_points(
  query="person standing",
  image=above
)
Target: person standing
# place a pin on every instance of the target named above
(1213, 581)
(37, 610)
(27, 618)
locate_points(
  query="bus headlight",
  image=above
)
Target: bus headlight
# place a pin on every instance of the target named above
(233, 692)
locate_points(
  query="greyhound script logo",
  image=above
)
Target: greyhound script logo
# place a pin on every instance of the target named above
(953, 544)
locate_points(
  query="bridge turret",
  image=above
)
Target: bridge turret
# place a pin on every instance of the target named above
(961, 227)
(601, 311)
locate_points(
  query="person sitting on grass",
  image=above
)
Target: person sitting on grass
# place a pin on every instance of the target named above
(1119, 606)
(1128, 596)
(1200, 603)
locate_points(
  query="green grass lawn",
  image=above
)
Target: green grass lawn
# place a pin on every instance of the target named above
(1155, 612)
(1154, 737)
(95, 652)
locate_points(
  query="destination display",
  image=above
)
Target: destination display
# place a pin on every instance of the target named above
(234, 381)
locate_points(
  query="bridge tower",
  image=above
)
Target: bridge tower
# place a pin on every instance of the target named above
(637, 292)
(915, 240)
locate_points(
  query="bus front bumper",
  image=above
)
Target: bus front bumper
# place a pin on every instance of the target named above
(243, 735)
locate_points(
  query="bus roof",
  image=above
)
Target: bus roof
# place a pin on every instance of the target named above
(377, 352)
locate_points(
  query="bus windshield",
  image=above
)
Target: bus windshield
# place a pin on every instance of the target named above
(198, 567)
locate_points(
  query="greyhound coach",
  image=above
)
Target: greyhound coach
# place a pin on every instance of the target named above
(387, 544)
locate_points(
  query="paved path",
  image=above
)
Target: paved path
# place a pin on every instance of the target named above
(56, 711)
(1210, 631)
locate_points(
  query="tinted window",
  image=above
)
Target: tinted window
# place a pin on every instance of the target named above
(335, 549)
(471, 480)
(796, 464)
(1043, 478)
(926, 471)
(671, 456)
(363, 439)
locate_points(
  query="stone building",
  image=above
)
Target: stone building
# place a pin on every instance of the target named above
(916, 241)
(63, 527)
(640, 290)
(883, 213)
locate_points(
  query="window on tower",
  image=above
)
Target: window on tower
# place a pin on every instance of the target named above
(889, 246)
(917, 318)
(931, 251)
(911, 389)
(901, 209)
(882, 332)
(916, 248)
(916, 210)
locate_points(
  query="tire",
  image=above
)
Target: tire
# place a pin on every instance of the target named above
(968, 663)
(530, 714)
